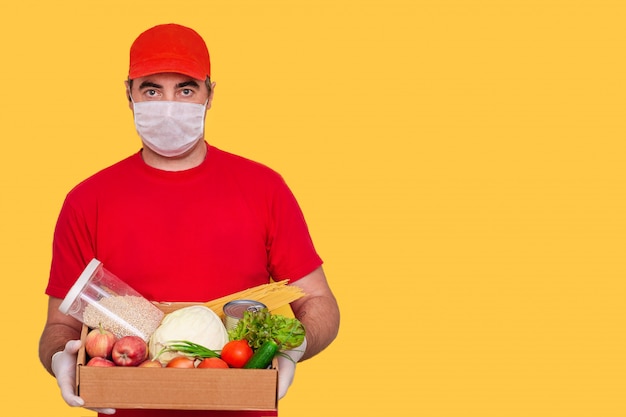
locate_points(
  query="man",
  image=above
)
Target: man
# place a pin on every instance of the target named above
(181, 220)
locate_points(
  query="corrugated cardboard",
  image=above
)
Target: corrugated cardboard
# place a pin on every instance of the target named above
(175, 388)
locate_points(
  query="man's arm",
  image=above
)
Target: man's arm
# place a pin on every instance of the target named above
(318, 311)
(58, 330)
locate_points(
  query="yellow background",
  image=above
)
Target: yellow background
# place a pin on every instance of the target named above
(460, 164)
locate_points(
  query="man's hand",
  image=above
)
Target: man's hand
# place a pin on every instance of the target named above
(64, 369)
(287, 367)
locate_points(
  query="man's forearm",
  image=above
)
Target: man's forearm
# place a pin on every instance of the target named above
(53, 339)
(320, 317)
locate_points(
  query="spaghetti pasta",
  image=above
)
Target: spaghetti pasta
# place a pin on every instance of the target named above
(274, 295)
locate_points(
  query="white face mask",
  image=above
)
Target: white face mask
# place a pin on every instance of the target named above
(169, 128)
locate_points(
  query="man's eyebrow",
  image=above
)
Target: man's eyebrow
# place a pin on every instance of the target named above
(190, 83)
(148, 84)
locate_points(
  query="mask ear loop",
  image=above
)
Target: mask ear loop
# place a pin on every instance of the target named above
(128, 92)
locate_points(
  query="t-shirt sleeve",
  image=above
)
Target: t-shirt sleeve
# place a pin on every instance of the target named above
(71, 249)
(291, 253)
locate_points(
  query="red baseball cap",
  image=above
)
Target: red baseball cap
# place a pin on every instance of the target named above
(169, 48)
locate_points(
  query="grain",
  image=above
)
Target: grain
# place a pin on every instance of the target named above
(124, 315)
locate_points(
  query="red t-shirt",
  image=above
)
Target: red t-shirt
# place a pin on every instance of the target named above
(195, 235)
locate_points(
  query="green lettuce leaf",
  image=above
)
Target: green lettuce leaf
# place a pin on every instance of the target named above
(258, 326)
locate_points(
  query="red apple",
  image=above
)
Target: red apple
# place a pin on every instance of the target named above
(150, 364)
(98, 361)
(129, 351)
(99, 342)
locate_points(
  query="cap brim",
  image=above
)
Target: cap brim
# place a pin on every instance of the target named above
(152, 67)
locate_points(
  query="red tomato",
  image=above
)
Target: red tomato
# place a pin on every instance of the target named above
(181, 362)
(236, 353)
(212, 363)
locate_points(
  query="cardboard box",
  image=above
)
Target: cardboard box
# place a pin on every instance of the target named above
(175, 388)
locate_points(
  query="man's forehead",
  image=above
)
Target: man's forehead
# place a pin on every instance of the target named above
(167, 79)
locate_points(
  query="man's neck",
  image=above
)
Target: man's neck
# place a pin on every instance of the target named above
(191, 159)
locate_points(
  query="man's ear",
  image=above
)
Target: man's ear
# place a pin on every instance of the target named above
(130, 102)
(210, 99)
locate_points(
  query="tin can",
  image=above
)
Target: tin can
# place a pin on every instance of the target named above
(234, 310)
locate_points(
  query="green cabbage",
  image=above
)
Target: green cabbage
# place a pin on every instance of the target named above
(197, 324)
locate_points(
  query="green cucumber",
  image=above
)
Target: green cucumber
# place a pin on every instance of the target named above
(263, 356)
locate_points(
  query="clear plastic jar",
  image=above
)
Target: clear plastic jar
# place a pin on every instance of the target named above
(99, 298)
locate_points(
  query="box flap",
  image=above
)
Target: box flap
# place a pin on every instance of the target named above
(80, 360)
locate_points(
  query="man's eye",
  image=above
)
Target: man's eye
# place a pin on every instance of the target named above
(187, 91)
(151, 93)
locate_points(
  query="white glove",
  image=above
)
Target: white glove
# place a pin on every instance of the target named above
(64, 369)
(287, 367)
